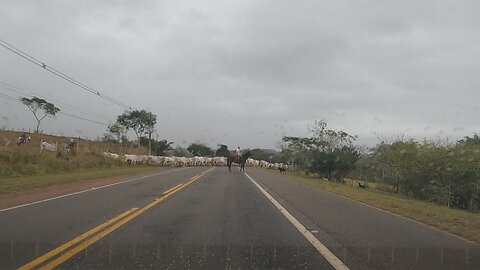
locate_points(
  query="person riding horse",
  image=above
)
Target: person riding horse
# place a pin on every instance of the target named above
(242, 159)
(238, 152)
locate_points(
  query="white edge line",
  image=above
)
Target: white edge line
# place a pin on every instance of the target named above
(324, 251)
(87, 190)
(418, 222)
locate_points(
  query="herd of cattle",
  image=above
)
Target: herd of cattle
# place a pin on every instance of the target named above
(189, 161)
(71, 144)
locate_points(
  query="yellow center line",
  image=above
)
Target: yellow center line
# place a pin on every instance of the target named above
(172, 189)
(111, 226)
(76, 240)
(67, 255)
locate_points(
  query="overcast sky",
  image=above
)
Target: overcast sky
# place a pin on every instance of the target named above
(248, 72)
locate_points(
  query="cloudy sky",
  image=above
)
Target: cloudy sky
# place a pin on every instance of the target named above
(248, 72)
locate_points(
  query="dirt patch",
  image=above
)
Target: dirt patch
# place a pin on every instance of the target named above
(32, 195)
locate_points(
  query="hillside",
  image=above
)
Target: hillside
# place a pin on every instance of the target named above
(26, 159)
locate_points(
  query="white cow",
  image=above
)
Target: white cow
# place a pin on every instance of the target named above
(131, 159)
(111, 155)
(48, 146)
(176, 161)
(180, 161)
(7, 142)
(219, 161)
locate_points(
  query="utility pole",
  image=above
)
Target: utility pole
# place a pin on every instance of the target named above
(149, 141)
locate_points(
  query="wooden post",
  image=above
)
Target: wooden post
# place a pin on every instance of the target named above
(149, 142)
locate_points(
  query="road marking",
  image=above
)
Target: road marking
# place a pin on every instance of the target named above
(172, 189)
(67, 255)
(87, 190)
(103, 229)
(403, 217)
(75, 241)
(322, 249)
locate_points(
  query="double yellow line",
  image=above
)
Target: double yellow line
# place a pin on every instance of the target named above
(64, 252)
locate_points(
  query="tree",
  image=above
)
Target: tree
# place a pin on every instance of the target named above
(300, 150)
(140, 121)
(259, 154)
(198, 149)
(222, 151)
(35, 105)
(334, 164)
(329, 139)
(163, 146)
(327, 152)
(108, 137)
(117, 131)
(181, 152)
(470, 141)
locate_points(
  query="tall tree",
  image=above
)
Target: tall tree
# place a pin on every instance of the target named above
(222, 151)
(140, 121)
(199, 149)
(163, 146)
(39, 106)
(327, 152)
(181, 152)
(117, 131)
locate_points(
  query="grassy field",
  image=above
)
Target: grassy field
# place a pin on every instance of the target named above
(8, 140)
(25, 167)
(459, 222)
(27, 160)
(15, 184)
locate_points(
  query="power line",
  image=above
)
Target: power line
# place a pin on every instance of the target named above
(16, 89)
(7, 97)
(61, 75)
(83, 118)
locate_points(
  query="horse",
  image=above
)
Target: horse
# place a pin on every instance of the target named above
(239, 160)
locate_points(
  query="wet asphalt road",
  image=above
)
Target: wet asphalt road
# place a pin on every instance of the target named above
(223, 221)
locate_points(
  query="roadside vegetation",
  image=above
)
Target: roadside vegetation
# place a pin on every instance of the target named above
(459, 222)
(441, 172)
(434, 182)
(24, 166)
(15, 184)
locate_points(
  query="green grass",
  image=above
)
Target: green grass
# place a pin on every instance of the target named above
(459, 222)
(14, 184)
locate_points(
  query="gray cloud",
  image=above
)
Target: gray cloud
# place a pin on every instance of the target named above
(247, 72)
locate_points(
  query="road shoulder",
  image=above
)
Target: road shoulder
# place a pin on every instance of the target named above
(356, 231)
(42, 193)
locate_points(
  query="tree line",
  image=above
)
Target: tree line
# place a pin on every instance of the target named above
(447, 173)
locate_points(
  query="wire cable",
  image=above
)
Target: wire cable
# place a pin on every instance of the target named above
(60, 74)
(7, 97)
(18, 90)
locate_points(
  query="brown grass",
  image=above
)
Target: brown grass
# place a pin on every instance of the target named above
(15, 184)
(27, 160)
(83, 144)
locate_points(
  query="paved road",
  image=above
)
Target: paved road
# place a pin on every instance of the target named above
(202, 218)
